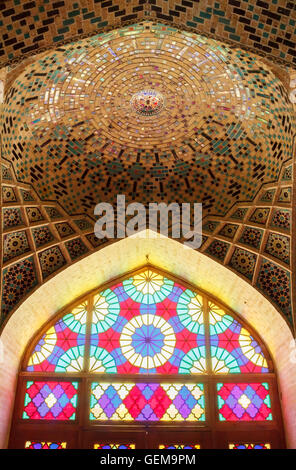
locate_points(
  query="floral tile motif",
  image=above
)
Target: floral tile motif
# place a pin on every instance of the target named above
(278, 246)
(19, 279)
(229, 230)
(27, 195)
(83, 224)
(96, 241)
(267, 195)
(285, 195)
(34, 214)
(259, 215)
(281, 218)
(287, 174)
(12, 217)
(8, 194)
(15, 244)
(53, 213)
(239, 213)
(51, 260)
(42, 236)
(76, 248)
(210, 226)
(218, 249)
(64, 229)
(252, 237)
(243, 262)
(6, 174)
(274, 282)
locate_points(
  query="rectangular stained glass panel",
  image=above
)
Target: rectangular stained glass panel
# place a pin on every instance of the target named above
(179, 446)
(114, 446)
(249, 446)
(50, 400)
(45, 445)
(244, 402)
(147, 402)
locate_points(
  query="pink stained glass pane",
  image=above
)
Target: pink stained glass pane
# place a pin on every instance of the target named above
(50, 400)
(244, 402)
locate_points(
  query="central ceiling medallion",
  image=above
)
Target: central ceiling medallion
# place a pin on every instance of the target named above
(147, 102)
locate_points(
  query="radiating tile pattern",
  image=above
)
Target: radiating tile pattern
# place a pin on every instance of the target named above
(210, 141)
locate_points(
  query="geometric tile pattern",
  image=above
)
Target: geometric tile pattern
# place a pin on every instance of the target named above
(72, 170)
(264, 228)
(211, 156)
(76, 248)
(82, 241)
(18, 280)
(42, 236)
(251, 237)
(265, 28)
(274, 282)
(244, 262)
(278, 245)
(51, 260)
(15, 244)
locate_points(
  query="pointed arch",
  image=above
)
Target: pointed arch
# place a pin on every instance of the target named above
(125, 256)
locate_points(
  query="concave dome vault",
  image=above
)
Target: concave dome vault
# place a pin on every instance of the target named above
(221, 124)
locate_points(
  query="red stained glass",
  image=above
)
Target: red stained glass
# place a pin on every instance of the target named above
(244, 402)
(50, 400)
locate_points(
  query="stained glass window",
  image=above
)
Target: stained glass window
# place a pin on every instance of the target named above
(61, 348)
(114, 446)
(50, 400)
(244, 402)
(145, 348)
(45, 445)
(148, 324)
(147, 402)
(179, 446)
(249, 446)
(233, 349)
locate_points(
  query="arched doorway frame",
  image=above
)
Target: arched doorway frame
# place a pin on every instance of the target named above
(124, 256)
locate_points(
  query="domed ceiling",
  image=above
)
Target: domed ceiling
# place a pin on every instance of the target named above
(151, 112)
